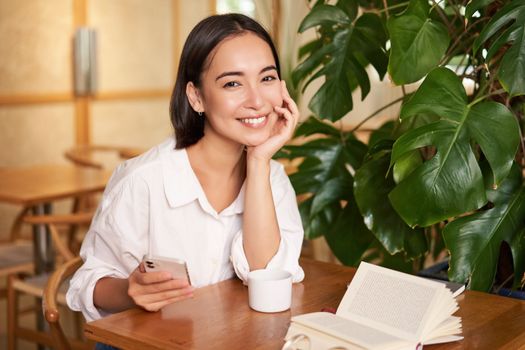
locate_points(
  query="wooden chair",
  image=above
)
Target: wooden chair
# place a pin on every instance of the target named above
(96, 156)
(16, 254)
(50, 306)
(34, 285)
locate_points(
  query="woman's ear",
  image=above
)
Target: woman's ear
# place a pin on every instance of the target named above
(194, 96)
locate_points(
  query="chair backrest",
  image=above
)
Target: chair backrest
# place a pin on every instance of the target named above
(53, 222)
(98, 156)
(50, 304)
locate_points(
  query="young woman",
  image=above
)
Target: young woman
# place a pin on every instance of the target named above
(211, 196)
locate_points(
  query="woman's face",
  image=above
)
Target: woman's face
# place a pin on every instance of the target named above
(239, 89)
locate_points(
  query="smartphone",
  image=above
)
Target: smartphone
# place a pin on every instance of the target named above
(177, 267)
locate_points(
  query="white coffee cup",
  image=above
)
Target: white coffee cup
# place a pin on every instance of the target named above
(270, 290)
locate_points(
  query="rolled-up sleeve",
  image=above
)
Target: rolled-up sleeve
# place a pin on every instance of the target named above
(104, 251)
(290, 228)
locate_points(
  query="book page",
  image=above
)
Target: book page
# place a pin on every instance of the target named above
(391, 301)
(349, 331)
(450, 327)
(447, 305)
(301, 337)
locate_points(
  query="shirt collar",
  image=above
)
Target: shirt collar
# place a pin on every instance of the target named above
(181, 185)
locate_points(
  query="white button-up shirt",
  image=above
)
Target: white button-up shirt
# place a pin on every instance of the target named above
(154, 204)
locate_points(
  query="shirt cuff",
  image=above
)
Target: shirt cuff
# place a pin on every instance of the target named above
(79, 296)
(286, 258)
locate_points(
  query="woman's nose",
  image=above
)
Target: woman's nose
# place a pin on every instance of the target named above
(254, 98)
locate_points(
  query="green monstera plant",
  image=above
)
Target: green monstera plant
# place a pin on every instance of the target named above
(446, 174)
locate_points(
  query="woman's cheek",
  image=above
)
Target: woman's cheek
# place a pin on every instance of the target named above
(274, 95)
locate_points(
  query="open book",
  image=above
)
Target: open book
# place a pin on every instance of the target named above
(381, 309)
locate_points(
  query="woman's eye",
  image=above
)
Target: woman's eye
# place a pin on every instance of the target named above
(269, 78)
(231, 84)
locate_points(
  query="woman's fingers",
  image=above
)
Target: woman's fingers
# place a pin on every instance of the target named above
(152, 277)
(289, 101)
(156, 288)
(153, 302)
(162, 286)
(158, 293)
(289, 120)
(156, 306)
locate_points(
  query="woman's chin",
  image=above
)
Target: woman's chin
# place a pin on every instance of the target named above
(256, 140)
(255, 143)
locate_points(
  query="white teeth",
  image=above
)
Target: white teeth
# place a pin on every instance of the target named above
(253, 121)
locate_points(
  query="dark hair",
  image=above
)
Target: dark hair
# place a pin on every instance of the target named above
(207, 34)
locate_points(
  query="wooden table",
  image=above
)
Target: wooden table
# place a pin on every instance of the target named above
(37, 186)
(34, 185)
(218, 317)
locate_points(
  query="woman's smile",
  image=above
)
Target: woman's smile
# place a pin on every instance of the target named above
(255, 122)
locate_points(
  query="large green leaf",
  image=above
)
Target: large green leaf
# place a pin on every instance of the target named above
(407, 163)
(310, 47)
(368, 42)
(418, 43)
(512, 69)
(474, 241)
(371, 188)
(324, 160)
(510, 20)
(320, 224)
(313, 125)
(309, 65)
(350, 7)
(348, 238)
(517, 246)
(451, 182)
(332, 191)
(323, 174)
(345, 52)
(334, 98)
(323, 14)
(384, 132)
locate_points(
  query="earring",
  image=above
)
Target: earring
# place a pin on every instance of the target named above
(200, 114)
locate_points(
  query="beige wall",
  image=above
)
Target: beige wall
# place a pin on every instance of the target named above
(138, 46)
(135, 43)
(31, 29)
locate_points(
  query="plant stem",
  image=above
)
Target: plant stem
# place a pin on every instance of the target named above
(443, 17)
(460, 37)
(401, 4)
(497, 92)
(376, 113)
(385, 4)
(341, 131)
(504, 282)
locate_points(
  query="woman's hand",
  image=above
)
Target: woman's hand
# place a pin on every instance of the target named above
(153, 290)
(287, 118)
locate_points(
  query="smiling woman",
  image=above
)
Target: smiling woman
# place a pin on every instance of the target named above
(212, 196)
(240, 89)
